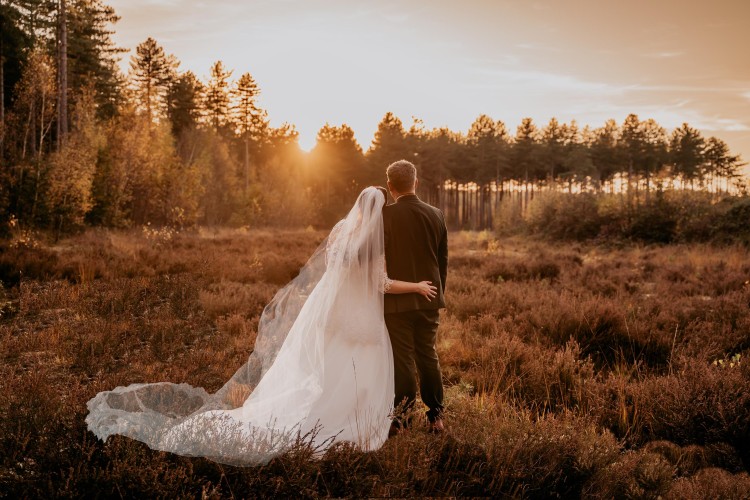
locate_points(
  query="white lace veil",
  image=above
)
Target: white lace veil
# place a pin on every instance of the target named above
(277, 397)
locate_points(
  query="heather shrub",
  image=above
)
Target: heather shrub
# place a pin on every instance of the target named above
(691, 458)
(17, 263)
(711, 483)
(226, 297)
(700, 216)
(571, 369)
(701, 404)
(565, 216)
(553, 457)
(515, 269)
(654, 222)
(508, 218)
(732, 226)
(658, 216)
(639, 474)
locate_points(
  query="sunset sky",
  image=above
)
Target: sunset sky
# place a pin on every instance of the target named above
(446, 62)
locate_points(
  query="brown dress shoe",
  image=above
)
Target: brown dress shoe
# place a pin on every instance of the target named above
(437, 427)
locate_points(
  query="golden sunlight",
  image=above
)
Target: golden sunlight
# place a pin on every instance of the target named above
(448, 62)
(306, 141)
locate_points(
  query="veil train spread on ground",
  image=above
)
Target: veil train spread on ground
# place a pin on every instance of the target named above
(321, 370)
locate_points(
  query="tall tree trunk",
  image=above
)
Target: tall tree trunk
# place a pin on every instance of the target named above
(2, 100)
(247, 163)
(630, 186)
(32, 129)
(42, 126)
(62, 74)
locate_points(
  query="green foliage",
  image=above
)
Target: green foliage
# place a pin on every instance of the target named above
(388, 145)
(216, 97)
(92, 54)
(671, 216)
(208, 155)
(655, 222)
(337, 171)
(70, 180)
(151, 73)
(565, 216)
(733, 224)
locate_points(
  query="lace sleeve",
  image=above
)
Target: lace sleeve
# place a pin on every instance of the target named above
(385, 281)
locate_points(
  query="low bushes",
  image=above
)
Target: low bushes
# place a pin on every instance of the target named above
(571, 370)
(660, 217)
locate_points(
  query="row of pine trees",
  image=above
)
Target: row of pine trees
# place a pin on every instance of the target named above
(81, 143)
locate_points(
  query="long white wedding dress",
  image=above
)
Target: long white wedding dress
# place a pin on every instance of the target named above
(321, 370)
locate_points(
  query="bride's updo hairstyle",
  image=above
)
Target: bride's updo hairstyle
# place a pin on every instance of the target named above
(402, 175)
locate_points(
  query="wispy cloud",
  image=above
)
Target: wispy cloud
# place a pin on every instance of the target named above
(447, 63)
(538, 47)
(664, 55)
(524, 79)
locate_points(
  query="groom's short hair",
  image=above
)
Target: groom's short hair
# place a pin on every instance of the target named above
(402, 175)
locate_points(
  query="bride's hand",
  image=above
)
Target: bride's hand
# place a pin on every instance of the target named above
(426, 289)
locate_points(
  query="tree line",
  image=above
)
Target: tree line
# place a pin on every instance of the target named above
(83, 144)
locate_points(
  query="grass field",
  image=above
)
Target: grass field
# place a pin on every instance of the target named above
(570, 370)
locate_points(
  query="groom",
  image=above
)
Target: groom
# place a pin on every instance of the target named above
(416, 249)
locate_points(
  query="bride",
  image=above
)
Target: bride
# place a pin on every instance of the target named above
(321, 370)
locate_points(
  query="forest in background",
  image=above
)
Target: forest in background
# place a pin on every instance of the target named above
(83, 144)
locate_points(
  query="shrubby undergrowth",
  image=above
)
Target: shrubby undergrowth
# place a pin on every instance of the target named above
(571, 370)
(661, 217)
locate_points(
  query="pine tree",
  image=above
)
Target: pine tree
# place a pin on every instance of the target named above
(605, 152)
(576, 163)
(62, 73)
(338, 160)
(524, 152)
(487, 149)
(184, 101)
(687, 152)
(552, 140)
(37, 19)
(389, 144)
(151, 71)
(719, 162)
(438, 152)
(92, 55)
(216, 97)
(654, 155)
(251, 121)
(14, 45)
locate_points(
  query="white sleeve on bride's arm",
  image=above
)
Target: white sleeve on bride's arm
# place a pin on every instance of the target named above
(385, 281)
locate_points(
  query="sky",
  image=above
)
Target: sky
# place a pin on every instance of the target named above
(447, 62)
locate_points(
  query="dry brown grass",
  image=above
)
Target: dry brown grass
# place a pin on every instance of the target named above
(570, 369)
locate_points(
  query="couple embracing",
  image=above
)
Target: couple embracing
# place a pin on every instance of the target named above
(338, 353)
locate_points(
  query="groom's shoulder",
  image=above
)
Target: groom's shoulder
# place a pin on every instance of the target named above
(433, 209)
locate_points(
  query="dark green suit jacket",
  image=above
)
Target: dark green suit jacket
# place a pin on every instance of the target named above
(416, 249)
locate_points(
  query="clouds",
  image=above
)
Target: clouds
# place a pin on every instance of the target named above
(336, 61)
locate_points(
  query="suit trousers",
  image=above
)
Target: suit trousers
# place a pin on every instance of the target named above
(413, 335)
